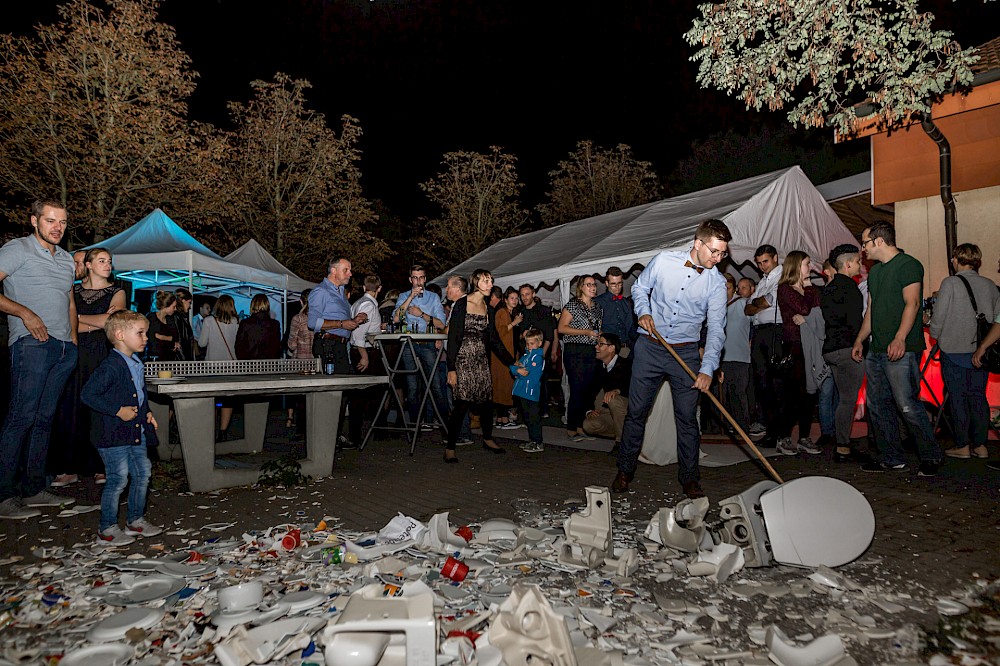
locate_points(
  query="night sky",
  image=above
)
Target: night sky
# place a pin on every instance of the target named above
(426, 77)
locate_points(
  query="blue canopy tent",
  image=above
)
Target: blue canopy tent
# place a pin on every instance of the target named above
(156, 253)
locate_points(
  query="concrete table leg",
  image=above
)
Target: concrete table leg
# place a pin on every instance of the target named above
(322, 428)
(161, 412)
(196, 425)
(254, 426)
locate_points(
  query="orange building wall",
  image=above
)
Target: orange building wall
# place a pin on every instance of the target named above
(905, 164)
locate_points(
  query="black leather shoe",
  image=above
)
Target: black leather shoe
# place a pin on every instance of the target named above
(495, 450)
(451, 461)
(620, 484)
(692, 489)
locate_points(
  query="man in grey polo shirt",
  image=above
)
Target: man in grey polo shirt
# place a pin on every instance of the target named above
(38, 297)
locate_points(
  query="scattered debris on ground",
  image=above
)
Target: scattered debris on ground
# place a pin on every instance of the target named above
(554, 585)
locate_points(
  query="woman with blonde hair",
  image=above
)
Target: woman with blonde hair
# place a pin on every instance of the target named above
(218, 338)
(796, 298)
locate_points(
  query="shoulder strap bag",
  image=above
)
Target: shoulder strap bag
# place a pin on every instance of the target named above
(226, 342)
(991, 359)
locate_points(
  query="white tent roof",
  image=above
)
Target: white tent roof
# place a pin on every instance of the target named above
(157, 252)
(254, 255)
(782, 208)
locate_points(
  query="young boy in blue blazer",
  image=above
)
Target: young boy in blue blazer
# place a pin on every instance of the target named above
(528, 373)
(124, 427)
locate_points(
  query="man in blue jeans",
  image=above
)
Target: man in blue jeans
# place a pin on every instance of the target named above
(894, 321)
(38, 298)
(422, 312)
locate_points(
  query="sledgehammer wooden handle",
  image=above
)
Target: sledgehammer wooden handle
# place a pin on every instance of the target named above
(718, 404)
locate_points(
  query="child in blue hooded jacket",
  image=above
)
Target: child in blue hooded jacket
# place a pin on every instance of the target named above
(528, 373)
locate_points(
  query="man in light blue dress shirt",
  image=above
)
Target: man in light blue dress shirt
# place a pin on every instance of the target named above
(422, 312)
(676, 293)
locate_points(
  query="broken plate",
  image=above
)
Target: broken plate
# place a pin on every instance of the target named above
(296, 602)
(144, 565)
(145, 588)
(185, 570)
(109, 654)
(115, 627)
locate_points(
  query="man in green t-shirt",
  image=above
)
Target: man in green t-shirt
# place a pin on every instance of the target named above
(893, 319)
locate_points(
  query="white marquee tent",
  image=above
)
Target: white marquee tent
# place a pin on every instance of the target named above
(782, 208)
(254, 255)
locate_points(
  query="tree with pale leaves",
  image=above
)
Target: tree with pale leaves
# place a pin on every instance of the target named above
(594, 180)
(844, 64)
(294, 183)
(93, 112)
(479, 196)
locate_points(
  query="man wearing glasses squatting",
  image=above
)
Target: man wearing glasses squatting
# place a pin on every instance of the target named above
(674, 295)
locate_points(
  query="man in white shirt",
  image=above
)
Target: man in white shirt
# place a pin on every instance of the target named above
(765, 343)
(366, 359)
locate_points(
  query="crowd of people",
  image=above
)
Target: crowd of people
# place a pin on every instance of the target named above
(777, 351)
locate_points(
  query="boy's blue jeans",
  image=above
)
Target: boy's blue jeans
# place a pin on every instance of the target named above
(120, 464)
(532, 411)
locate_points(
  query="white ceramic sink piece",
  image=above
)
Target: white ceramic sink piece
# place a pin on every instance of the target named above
(374, 630)
(824, 651)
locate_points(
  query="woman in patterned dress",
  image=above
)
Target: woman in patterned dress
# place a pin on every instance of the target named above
(579, 327)
(472, 334)
(96, 296)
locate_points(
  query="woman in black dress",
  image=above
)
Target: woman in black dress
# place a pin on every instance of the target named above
(258, 336)
(72, 453)
(472, 335)
(163, 343)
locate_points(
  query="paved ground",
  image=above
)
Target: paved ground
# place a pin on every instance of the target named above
(942, 530)
(937, 535)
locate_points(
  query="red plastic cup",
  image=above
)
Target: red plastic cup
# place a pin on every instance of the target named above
(455, 570)
(291, 540)
(465, 532)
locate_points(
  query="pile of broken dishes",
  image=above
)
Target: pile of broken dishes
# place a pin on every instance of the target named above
(573, 585)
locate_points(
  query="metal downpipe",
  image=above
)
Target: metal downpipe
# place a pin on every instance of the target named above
(947, 197)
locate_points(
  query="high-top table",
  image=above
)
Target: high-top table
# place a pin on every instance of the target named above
(193, 400)
(394, 369)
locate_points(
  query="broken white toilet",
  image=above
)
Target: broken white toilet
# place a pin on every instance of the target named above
(806, 522)
(588, 532)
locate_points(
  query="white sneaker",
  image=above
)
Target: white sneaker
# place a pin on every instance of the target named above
(785, 447)
(806, 446)
(464, 441)
(143, 528)
(45, 498)
(14, 509)
(114, 536)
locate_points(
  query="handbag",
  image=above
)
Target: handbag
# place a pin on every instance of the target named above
(991, 357)
(781, 360)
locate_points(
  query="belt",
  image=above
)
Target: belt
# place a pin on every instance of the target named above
(672, 344)
(765, 325)
(332, 337)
